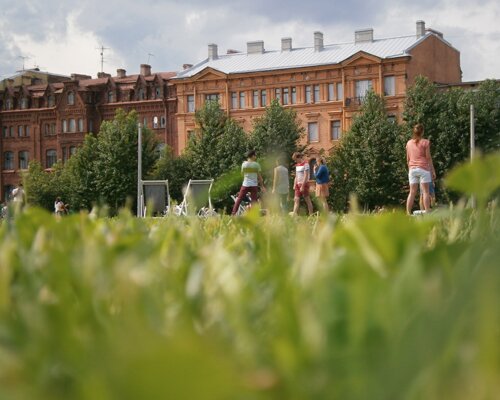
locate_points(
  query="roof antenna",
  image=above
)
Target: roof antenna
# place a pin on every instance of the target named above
(149, 56)
(102, 48)
(24, 58)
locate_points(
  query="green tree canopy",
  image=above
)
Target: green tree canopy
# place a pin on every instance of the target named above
(370, 160)
(278, 131)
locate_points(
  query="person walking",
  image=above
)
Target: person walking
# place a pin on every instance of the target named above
(252, 178)
(322, 176)
(301, 183)
(281, 184)
(420, 167)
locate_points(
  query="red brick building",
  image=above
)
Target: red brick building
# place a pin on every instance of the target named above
(324, 84)
(46, 119)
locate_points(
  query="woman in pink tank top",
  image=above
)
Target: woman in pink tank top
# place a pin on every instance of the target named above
(420, 168)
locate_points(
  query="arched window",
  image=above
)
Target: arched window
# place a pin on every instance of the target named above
(71, 98)
(50, 158)
(8, 160)
(23, 159)
(110, 96)
(140, 94)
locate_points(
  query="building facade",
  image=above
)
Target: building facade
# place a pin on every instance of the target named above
(324, 84)
(48, 120)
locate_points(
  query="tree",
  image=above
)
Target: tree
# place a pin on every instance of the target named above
(370, 158)
(218, 145)
(176, 169)
(278, 131)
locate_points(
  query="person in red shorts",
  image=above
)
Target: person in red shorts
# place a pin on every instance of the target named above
(301, 183)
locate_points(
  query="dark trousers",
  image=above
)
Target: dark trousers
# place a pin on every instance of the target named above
(241, 195)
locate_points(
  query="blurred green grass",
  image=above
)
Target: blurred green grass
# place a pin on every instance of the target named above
(341, 307)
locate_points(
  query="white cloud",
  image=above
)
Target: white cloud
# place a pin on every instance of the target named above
(76, 52)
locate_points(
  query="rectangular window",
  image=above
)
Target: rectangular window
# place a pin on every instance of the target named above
(20, 131)
(212, 97)
(190, 102)
(27, 130)
(312, 132)
(316, 93)
(234, 100)
(145, 122)
(64, 154)
(255, 99)
(5, 131)
(389, 86)
(331, 94)
(308, 94)
(277, 94)
(263, 98)
(294, 95)
(8, 160)
(52, 128)
(50, 158)
(80, 125)
(72, 150)
(242, 100)
(336, 132)
(340, 91)
(286, 92)
(64, 126)
(23, 159)
(72, 125)
(155, 122)
(11, 131)
(363, 87)
(90, 124)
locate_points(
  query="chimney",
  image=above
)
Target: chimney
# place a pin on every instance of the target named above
(286, 44)
(103, 75)
(420, 29)
(121, 73)
(256, 47)
(212, 52)
(80, 77)
(318, 41)
(364, 35)
(145, 69)
(186, 66)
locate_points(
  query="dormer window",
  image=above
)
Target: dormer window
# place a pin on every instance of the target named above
(24, 103)
(110, 96)
(71, 98)
(51, 101)
(158, 92)
(8, 104)
(140, 94)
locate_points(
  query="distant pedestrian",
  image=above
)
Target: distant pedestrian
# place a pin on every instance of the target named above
(59, 208)
(252, 178)
(420, 168)
(281, 184)
(322, 176)
(18, 194)
(301, 183)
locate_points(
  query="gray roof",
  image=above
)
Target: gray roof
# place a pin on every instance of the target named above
(306, 56)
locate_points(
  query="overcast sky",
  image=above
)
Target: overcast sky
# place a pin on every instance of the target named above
(62, 36)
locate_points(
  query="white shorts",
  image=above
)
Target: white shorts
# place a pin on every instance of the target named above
(419, 175)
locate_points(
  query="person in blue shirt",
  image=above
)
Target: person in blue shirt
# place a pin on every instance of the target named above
(322, 176)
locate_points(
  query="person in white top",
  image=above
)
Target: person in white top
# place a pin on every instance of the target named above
(301, 183)
(281, 184)
(59, 208)
(251, 179)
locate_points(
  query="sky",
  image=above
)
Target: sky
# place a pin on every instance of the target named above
(64, 36)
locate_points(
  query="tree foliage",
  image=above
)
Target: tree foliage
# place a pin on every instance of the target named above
(278, 131)
(370, 160)
(103, 170)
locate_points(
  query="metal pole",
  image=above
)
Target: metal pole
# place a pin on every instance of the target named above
(472, 133)
(472, 144)
(139, 170)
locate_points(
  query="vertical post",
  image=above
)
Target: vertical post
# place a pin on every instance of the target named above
(472, 132)
(139, 170)
(472, 143)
